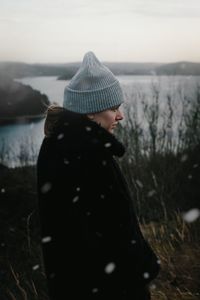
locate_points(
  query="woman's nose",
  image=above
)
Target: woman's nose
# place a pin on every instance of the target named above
(120, 115)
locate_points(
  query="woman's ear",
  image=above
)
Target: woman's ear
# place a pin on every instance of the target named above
(90, 116)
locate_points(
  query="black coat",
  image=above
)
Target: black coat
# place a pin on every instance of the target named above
(92, 244)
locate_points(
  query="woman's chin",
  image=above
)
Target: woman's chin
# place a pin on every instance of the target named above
(111, 130)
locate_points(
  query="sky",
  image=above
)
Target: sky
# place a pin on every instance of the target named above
(62, 31)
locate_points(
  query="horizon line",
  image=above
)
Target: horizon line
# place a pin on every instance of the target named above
(105, 62)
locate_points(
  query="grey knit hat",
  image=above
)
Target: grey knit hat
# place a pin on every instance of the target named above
(93, 88)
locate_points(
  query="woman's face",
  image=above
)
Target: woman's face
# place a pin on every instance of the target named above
(108, 119)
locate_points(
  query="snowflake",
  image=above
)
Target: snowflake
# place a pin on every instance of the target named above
(184, 157)
(158, 262)
(66, 161)
(110, 268)
(88, 128)
(60, 136)
(75, 199)
(152, 286)
(151, 193)
(133, 242)
(35, 267)
(3, 190)
(191, 215)
(195, 166)
(139, 183)
(46, 239)
(107, 145)
(46, 187)
(146, 275)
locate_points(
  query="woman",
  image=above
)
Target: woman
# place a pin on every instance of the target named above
(92, 244)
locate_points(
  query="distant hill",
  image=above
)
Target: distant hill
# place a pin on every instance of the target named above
(120, 69)
(179, 68)
(66, 71)
(18, 69)
(20, 102)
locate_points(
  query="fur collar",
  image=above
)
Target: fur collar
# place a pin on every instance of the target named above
(81, 133)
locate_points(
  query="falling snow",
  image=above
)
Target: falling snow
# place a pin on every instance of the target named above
(88, 128)
(46, 239)
(35, 267)
(60, 136)
(95, 290)
(195, 166)
(184, 157)
(107, 145)
(3, 190)
(152, 286)
(139, 183)
(46, 187)
(110, 268)
(151, 193)
(66, 161)
(75, 199)
(191, 215)
(146, 275)
(158, 262)
(133, 242)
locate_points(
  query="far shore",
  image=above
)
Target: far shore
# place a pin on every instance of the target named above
(21, 119)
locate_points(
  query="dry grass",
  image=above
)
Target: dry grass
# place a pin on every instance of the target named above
(175, 242)
(177, 245)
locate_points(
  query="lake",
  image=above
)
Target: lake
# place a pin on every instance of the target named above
(20, 143)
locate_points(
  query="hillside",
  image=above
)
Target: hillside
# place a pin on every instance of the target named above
(67, 70)
(18, 70)
(18, 100)
(179, 68)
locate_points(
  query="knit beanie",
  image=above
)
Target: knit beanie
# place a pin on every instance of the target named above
(93, 88)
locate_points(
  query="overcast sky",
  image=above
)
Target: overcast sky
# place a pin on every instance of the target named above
(116, 30)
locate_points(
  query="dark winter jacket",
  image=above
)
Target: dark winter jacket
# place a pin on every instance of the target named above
(92, 244)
